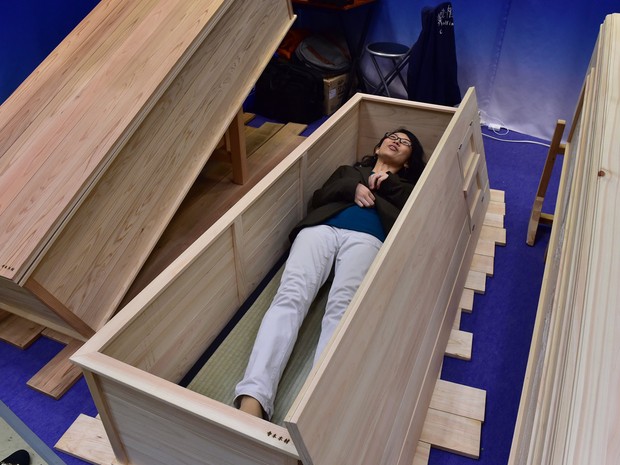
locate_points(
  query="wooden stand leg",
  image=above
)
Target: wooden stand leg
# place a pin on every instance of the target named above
(536, 217)
(235, 145)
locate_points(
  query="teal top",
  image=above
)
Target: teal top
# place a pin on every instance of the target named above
(356, 218)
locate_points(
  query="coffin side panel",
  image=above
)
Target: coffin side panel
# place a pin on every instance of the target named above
(381, 336)
(427, 122)
(181, 319)
(24, 303)
(151, 432)
(384, 353)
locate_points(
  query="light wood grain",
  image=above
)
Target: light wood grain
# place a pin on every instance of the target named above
(476, 281)
(460, 344)
(467, 300)
(18, 331)
(422, 453)
(459, 399)
(363, 316)
(134, 360)
(59, 374)
(569, 407)
(453, 433)
(86, 439)
(483, 264)
(122, 118)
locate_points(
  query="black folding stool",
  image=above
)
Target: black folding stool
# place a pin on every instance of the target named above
(398, 54)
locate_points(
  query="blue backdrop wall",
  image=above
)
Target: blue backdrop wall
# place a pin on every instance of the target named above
(526, 58)
(29, 31)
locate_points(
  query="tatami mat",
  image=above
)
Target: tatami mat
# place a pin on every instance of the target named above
(225, 368)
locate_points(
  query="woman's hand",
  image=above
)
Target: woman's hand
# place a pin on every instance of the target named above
(363, 196)
(375, 180)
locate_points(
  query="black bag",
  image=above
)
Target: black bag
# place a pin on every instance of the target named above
(328, 54)
(289, 92)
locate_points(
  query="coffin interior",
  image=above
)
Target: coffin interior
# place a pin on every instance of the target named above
(149, 345)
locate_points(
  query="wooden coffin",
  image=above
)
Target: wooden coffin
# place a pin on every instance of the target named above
(366, 400)
(100, 144)
(570, 403)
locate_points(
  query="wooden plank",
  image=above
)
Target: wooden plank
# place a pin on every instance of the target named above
(457, 319)
(57, 336)
(572, 373)
(460, 345)
(498, 196)
(494, 220)
(86, 439)
(86, 202)
(459, 399)
(467, 300)
(422, 453)
(485, 247)
(453, 433)
(18, 331)
(59, 308)
(476, 281)
(483, 264)
(235, 137)
(497, 208)
(497, 235)
(59, 374)
(256, 137)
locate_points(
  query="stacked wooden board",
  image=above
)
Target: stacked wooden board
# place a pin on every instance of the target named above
(99, 146)
(570, 403)
(399, 321)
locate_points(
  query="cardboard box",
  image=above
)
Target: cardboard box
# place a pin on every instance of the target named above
(334, 89)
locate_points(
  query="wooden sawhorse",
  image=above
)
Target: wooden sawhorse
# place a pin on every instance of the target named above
(537, 216)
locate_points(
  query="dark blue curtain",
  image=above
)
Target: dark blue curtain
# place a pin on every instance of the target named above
(29, 31)
(527, 59)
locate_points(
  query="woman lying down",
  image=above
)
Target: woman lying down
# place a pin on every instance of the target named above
(349, 219)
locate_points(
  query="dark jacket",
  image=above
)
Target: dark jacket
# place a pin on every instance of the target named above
(338, 193)
(432, 68)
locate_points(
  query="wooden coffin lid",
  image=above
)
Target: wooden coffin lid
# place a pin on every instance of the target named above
(67, 121)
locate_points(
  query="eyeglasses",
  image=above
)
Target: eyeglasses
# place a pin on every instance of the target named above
(394, 137)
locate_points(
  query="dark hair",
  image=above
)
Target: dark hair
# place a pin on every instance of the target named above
(416, 163)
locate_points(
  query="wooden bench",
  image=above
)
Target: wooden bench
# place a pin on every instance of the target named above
(366, 400)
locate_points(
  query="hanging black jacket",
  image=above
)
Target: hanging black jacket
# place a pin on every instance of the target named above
(432, 68)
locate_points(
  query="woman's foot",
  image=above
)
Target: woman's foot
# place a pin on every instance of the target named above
(251, 405)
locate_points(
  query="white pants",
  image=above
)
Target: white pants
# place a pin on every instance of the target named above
(308, 266)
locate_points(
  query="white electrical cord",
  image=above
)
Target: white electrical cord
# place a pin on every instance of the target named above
(499, 126)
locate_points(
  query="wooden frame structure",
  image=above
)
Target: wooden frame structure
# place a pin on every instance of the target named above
(537, 216)
(101, 143)
(398, 323)
(570, 404)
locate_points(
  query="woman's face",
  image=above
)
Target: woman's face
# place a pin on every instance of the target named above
(395, 149)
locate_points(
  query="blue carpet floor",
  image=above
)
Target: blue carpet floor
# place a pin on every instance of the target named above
(24, 438)
(501, 322)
